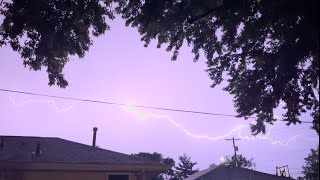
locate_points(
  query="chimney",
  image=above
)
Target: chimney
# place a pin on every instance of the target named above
(95, 129)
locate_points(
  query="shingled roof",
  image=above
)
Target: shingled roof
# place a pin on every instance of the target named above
(55, 150)
(223, 172)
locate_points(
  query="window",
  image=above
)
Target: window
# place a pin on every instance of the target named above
(118, 177)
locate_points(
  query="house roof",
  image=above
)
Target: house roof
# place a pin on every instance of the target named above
(23, 149)
(223, 172)
(200, 173)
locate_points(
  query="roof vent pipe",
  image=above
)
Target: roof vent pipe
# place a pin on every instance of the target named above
(95, 129)
(38, 150)
(2, 143)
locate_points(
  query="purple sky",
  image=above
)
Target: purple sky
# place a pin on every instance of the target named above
(119, 69)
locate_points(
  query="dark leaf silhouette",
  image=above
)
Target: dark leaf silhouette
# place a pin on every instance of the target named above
(46, 33)
(267, 51)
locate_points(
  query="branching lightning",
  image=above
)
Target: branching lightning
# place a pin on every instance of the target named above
(53, 103)
(237, 131)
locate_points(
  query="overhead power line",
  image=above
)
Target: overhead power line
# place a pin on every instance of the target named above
(119, 104)
(123, 104)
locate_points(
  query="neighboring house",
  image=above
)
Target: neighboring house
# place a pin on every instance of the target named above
(223, 172)
(44, 158)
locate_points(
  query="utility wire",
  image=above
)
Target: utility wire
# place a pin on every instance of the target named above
(122, 104)
(118, 104)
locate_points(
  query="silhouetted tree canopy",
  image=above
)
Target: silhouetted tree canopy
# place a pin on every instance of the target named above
(185, 167)
(242, 162)
(267, 51)
(157, 157)
(311, 168)
(47, 32)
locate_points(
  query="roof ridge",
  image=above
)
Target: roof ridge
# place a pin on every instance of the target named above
(3, 136)
(210, 169)
(256, 171)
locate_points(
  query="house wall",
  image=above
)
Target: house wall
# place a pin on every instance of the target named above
(63, 175)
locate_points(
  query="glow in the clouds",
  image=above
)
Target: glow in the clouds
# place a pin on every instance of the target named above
(236, 131)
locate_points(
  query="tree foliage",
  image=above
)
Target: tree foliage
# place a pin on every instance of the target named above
(267, 51)
(242, 162)
(47, 32)
(157, 157)
(311, 168)
(185, 167)
(213, 165)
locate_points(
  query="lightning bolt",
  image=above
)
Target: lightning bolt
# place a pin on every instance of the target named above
(53, 103)
(238, 130)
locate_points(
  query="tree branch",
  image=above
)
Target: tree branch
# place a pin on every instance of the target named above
(192, 20)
